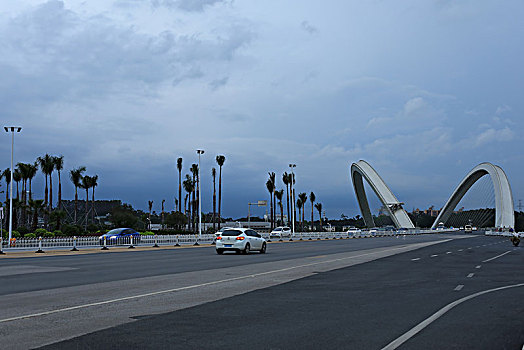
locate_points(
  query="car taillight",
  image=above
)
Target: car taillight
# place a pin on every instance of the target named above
(240, 238)
(219, 237)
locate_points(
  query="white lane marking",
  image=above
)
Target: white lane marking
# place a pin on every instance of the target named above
(461, 250)
(498, 256)
(470, 248)
(470, 275)
(413, 331)
(477, 267)
(434, 255)
(415, 259)
(459, 287)
(448, 252)
(83, 306)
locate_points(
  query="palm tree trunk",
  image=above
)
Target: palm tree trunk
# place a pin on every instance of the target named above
(59, 192)
(46, 203)
(219, 196)
(312, 226)
(93, 203)
(76, 202)
(271, 213)
(180, 191)
(281, 213)
(87, 203)
(214, 200)
(51, 191)
(287, 203)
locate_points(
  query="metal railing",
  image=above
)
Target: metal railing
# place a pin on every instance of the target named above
(82, 242)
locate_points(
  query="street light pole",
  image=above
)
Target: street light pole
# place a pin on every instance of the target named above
(11, 129)
(292, 196)
(199, 151)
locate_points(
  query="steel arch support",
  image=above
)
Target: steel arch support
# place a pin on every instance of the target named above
(504, 211)
(361, 170)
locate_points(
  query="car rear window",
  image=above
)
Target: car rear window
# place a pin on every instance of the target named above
(277, 229)
(231, 233)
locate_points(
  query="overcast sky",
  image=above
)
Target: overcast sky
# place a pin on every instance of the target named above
(422, 90)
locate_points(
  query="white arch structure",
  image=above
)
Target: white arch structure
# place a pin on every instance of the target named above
(504, 211)
(361, 170)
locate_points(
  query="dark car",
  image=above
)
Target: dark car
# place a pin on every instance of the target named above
(120, 236)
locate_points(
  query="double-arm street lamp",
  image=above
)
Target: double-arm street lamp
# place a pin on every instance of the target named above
(199, 152)
(11, 129)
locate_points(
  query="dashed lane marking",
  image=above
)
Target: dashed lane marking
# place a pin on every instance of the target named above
(477, 267)
(415, 259)
(459, 287)
(460, 250)
(498, 256)
(470, 275)
(434, 255)
(448, 252)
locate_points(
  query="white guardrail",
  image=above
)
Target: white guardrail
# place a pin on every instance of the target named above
(79, 242)
(504, 233)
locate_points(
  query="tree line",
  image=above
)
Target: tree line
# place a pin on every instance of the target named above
(292, 203)
(27, 209)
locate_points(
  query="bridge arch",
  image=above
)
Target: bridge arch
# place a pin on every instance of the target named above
(361, 170)
(504, 211)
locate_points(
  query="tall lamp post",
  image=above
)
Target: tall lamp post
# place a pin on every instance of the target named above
(199, 151)
(11, 129)
(292, 166)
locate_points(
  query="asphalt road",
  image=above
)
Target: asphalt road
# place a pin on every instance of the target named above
(353, 294)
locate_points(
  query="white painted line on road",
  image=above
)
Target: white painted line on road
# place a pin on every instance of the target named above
(434, 255)
(415, 259)
(477, 267)
(470, 248)
(459, 287)
(498, 256)
(105, 302)
(413, 331)
(460, 250)
(470, 275)
(448, 252)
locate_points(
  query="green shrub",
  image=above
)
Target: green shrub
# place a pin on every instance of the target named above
(22, 230)
(58, 233)
(49, 234)
(40, 231)
(29, 235)
(147, 233)
(15, 234)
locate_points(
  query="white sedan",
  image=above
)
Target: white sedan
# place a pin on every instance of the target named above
(240, 240)
(281, 231)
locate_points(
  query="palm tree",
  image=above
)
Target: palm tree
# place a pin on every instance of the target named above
(93, 183)
(194, 201)
(312, 200)
(273, 208)
(188, 187)
(285, 180)
(46, 165)
(17, 177)
(299, 206)
(179, 167)
(303, 199)
(214, 175)
(271, 188)
(220, 161)
(293, 201)
(59, 165)
(150, 203)
(86, 185)
(33, 169)
(163, 201)
(279, 195)
(35, 205)
(7, 175)
(76, 177)
(318, 206)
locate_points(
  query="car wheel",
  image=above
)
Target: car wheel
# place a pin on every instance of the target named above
(220, 251)
(263, 250)
(246, 249)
